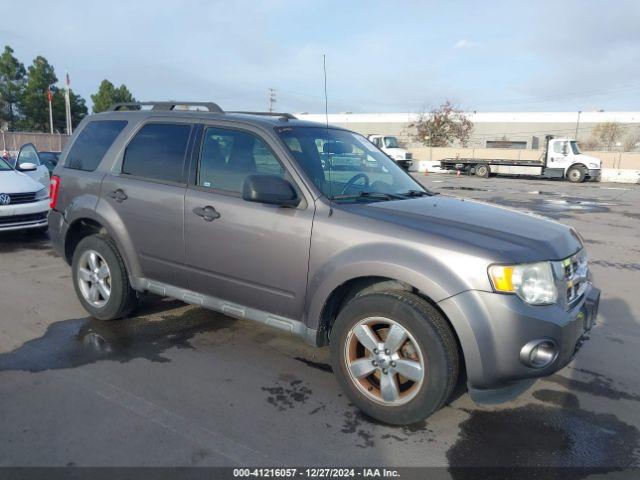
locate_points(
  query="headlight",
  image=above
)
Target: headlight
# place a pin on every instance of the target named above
(532, 282)
(42, 194)
(594, 165)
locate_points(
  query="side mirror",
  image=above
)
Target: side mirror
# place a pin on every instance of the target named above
(269, 189)
(27, 167)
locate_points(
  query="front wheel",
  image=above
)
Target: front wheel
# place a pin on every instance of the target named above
(576, 174)
(395, 356)
(483, 170)
(101, 280)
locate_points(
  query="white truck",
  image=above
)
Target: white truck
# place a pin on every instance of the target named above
(561, 159)
(389, 145)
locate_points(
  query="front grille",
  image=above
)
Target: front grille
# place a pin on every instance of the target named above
(29, 218)
(576, 273)
(408, 156)
(18, 198)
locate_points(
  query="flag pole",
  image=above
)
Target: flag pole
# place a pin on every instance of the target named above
(67, 105)
(50, 109)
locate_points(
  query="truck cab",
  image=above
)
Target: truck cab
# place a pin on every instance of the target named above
(389, 145)
(564, 154)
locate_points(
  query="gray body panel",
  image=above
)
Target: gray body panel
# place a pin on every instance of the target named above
(281, 265)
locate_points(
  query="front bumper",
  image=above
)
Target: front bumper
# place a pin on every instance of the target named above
(24, 216)
(594, 174)
(404, 164)
(493, 328)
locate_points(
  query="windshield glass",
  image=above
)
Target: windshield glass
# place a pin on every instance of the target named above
(4, 166)
(574, 147)
(347, 167)
(391, 142)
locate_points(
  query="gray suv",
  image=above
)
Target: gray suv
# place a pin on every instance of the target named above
(313, 230)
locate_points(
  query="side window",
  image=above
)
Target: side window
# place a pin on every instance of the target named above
(558, 147)
(92, 143)
(157, 152)
(229, 156)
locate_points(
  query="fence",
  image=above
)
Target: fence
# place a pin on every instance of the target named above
(12, 141)
(616, 160)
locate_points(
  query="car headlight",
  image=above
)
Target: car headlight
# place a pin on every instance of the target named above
(594, 165)
(532, 282)
(42, 194)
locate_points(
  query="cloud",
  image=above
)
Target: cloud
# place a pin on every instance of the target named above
(465, 44)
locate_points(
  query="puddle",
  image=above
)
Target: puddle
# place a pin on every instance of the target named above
(77, 342)
(543, 436)
(285, 397)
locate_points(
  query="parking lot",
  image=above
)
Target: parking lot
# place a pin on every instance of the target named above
(179, 385)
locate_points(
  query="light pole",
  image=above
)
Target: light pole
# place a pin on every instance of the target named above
(577, 125)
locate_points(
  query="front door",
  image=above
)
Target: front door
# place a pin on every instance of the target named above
(29, 154)
(148, 196)
(251, 254)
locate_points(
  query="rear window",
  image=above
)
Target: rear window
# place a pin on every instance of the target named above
(157, 152)
(92, 143)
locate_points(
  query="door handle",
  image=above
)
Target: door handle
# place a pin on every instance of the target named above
(118, 195)
(208, 213)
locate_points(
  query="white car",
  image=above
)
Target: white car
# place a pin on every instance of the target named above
(24, 202)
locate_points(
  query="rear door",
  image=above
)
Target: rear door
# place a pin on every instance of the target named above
(251, 254)
(148, 195)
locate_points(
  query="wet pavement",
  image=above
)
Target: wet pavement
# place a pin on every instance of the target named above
(179, 385)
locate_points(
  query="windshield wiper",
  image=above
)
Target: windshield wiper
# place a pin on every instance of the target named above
(417, 193)
(372, 195)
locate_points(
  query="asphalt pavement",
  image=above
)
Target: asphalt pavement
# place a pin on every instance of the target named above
(179, 385)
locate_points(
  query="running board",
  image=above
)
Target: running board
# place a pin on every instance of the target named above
(294, 327)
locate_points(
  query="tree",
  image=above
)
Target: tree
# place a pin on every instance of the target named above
(107, 95)
(12, 84)
(608, 133)
(34, 105)
(443, 126)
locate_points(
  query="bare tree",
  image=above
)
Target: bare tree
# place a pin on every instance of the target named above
(443, 126)
(608, 133)
(632, 141)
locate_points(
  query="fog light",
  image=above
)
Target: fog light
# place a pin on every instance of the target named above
(539, 353)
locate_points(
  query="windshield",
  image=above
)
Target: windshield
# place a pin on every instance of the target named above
(391, 142)
(574, 147)
(4, 166)
(347, 167)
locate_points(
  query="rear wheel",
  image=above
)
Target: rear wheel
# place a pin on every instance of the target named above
(395, 356)
(576, 174)
(483, 170)
(101, 280)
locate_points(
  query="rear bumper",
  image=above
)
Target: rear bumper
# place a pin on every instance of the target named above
(57, 232)
(24, 216)
(493, 330)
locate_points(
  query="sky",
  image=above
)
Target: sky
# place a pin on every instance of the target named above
(382, 56)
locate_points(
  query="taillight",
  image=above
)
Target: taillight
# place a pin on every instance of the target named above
(54, 188)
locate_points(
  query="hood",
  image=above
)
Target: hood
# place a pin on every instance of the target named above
(508, 235)
(17, 182)
(587, 159)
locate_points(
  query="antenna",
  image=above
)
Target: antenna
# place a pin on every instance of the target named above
(326, 117)
(272, 98)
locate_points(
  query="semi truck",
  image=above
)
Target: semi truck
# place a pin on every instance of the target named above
(561, 159)
(389, 145)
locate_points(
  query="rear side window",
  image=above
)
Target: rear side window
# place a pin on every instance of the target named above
(157, 152)
(92, 143)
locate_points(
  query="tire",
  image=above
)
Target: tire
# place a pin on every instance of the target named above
(429, 342)
(122, 299)
(576, 174)
(483, 170)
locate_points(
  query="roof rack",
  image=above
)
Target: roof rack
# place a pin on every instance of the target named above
(288, 116)
(166, 106)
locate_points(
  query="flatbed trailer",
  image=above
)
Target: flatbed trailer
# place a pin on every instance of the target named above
(561, 159)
